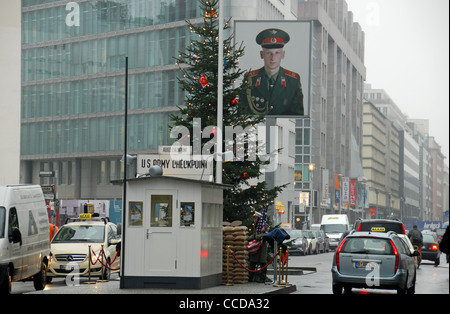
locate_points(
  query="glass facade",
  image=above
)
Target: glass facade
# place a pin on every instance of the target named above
(73, 65)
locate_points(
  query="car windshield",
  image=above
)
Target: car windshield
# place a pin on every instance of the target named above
(2, 222)
(295, 234)
(363, 245)
(333, 228)
(83, 233)
(428, 238)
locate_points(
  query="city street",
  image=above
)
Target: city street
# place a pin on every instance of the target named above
(430, 279)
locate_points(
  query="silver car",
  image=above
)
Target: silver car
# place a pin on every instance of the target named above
(374, 260)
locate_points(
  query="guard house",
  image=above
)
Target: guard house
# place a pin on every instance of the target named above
(173, 233)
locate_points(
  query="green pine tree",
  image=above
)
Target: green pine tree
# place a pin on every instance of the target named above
(199, 64)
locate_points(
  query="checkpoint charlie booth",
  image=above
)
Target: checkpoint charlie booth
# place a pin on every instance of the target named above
(173, 233)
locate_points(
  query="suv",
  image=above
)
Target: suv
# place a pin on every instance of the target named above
(374, 260)
(70, 248)
(380, 225)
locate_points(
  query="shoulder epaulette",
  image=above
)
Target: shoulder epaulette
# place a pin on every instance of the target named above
(291, 74)
(253, 73)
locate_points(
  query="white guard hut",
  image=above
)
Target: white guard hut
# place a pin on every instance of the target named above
(173, 233)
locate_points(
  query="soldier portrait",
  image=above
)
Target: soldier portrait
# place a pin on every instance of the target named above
(271, 87)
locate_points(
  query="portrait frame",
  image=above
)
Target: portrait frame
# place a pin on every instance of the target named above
(298, 56)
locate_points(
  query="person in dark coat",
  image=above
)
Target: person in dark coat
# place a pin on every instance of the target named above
(444, 245)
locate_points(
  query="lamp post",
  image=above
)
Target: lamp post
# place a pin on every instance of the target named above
(340, 192)
(220, 96)
(311, 171)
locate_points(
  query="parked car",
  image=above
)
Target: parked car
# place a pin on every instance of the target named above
(374, 260)
(298, 243)
(322, 241)
(70, 248)
(430, 249)
(326, 241)
(312, 240)
(24, 236)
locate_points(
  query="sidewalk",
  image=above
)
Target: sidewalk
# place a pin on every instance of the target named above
(113, 287)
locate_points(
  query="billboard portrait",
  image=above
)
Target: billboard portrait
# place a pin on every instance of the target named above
(277, 63)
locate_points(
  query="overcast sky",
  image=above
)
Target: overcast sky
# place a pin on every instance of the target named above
(407, 55)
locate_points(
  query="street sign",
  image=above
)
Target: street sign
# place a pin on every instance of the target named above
(47, 174)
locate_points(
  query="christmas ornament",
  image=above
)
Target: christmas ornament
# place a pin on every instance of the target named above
(234, 102)
(212, 13)
(203, 80)
(245, 176)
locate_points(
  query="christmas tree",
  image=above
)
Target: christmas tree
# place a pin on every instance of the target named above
(199, 67)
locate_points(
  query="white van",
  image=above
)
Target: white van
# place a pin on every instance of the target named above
(24, 236)
(334, 226)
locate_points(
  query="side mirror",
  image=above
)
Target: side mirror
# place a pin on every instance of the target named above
(16, 236)
(416, 253)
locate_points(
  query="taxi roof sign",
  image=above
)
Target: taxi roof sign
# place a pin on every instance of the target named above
(85, 216)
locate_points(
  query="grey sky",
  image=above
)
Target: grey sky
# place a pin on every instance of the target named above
(407, 55)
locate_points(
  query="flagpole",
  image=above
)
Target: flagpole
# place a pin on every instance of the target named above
(220, 97)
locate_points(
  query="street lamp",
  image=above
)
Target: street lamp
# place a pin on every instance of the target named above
(311, 172)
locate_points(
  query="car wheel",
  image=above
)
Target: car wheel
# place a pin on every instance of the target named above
(412, 289)
(337, 289)
(402, 290)
(40, 279)
(437, 261)
(5, 286)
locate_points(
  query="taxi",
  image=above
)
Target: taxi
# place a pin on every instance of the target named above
(70, 248)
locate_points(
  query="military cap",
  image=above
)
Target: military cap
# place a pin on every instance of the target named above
(272, 38)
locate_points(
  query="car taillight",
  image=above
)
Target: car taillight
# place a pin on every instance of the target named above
(403, 228)
(397, 258)
(359, 227)
(433, 247)
(338, 251)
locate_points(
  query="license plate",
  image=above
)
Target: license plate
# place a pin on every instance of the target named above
(66, 267)
(361, 264)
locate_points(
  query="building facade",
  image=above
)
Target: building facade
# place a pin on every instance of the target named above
(381, 157)
(73, 87)
(334, 130)
(10, 26)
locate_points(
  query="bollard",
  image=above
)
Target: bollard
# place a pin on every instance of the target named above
(229, 282)
(89, 268)
(280, 281)
(286, 266)
(103, 268)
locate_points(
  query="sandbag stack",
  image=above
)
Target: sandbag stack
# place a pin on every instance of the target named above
(235, 236)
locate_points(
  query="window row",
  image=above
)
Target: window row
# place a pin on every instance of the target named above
(90, 18)
(149, 90)
(102, 134)
(100, 56)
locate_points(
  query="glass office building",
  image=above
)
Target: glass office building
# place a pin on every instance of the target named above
(73, 84)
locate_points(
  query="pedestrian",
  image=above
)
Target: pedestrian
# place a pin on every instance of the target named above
(444, 245)
(53, 230)
(416, 238)
(273, 90)
(259, 259)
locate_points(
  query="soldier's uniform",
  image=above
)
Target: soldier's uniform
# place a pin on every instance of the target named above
(280, 95)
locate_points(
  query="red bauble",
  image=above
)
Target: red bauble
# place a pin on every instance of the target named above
(234, 102)
(245, 176)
